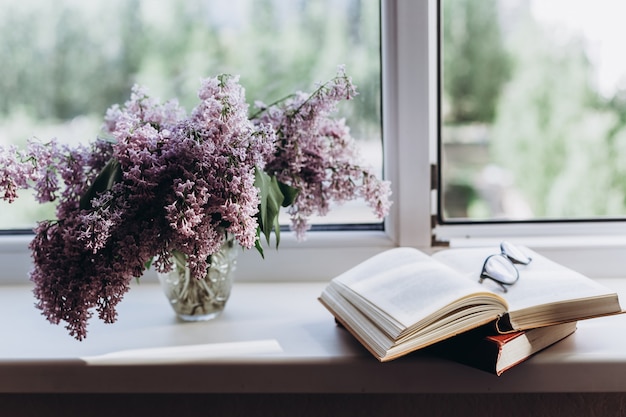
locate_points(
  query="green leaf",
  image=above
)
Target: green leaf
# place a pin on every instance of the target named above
(148, 263)
(271, 200)
(257, 243)
(110, 174)
(290, 193)
(274, 195)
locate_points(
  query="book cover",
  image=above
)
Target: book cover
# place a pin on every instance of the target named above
(486, 350)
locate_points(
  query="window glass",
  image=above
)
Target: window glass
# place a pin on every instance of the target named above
(532, 110)
(66, 62)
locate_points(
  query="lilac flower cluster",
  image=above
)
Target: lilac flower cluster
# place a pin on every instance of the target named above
(165, 181)
(317, 155)
(40, 167)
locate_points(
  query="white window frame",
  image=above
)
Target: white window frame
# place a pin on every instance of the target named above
(409, 53)
(595, 248)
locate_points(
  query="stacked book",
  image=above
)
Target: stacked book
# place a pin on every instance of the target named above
(491, 308)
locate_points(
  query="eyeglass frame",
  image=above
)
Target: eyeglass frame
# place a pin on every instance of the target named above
(505, 249)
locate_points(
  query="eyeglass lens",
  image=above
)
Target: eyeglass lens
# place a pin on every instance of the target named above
(499, 268)
(514, 253)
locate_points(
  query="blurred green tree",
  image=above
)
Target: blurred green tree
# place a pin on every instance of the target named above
(475, 61)
(552, 134)
(69, 60)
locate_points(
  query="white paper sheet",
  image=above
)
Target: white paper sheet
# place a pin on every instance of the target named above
(189, 353)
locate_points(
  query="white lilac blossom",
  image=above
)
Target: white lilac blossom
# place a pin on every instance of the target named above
(164, 181)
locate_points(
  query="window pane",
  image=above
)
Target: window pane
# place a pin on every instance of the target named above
(66, 62)
(533, 109)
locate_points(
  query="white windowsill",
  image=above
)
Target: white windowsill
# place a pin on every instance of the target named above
(326, 254)
(321, 256)
(317, 356)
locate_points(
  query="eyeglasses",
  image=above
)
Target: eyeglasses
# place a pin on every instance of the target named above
(500, 267)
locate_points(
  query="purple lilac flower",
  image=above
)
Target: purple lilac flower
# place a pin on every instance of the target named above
(317, 155)
(167, 181)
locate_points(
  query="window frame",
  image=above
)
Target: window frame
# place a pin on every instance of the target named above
(409, 83)
(593, 246)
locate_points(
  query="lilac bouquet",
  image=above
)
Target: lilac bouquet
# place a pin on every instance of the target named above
(159, 180)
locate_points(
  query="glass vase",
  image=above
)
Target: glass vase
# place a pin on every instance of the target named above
(201, 299)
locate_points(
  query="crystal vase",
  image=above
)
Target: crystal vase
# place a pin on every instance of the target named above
(201, 299)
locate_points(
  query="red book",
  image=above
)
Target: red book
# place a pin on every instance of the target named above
(496, 353)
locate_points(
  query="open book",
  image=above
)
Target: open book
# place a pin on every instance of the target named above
(402, 300)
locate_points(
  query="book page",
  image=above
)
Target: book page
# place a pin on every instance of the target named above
(407, 284)
(541, 282)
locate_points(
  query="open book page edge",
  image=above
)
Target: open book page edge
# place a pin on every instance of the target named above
(349, 322)
(395, 329)
(376, 335)
(459, 311)
(380, 344)
(413, 345)
(403, 286)
(510, 322)
(380, 317)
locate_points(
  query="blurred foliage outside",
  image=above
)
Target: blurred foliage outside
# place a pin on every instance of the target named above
(526, 131)
(65, 62)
